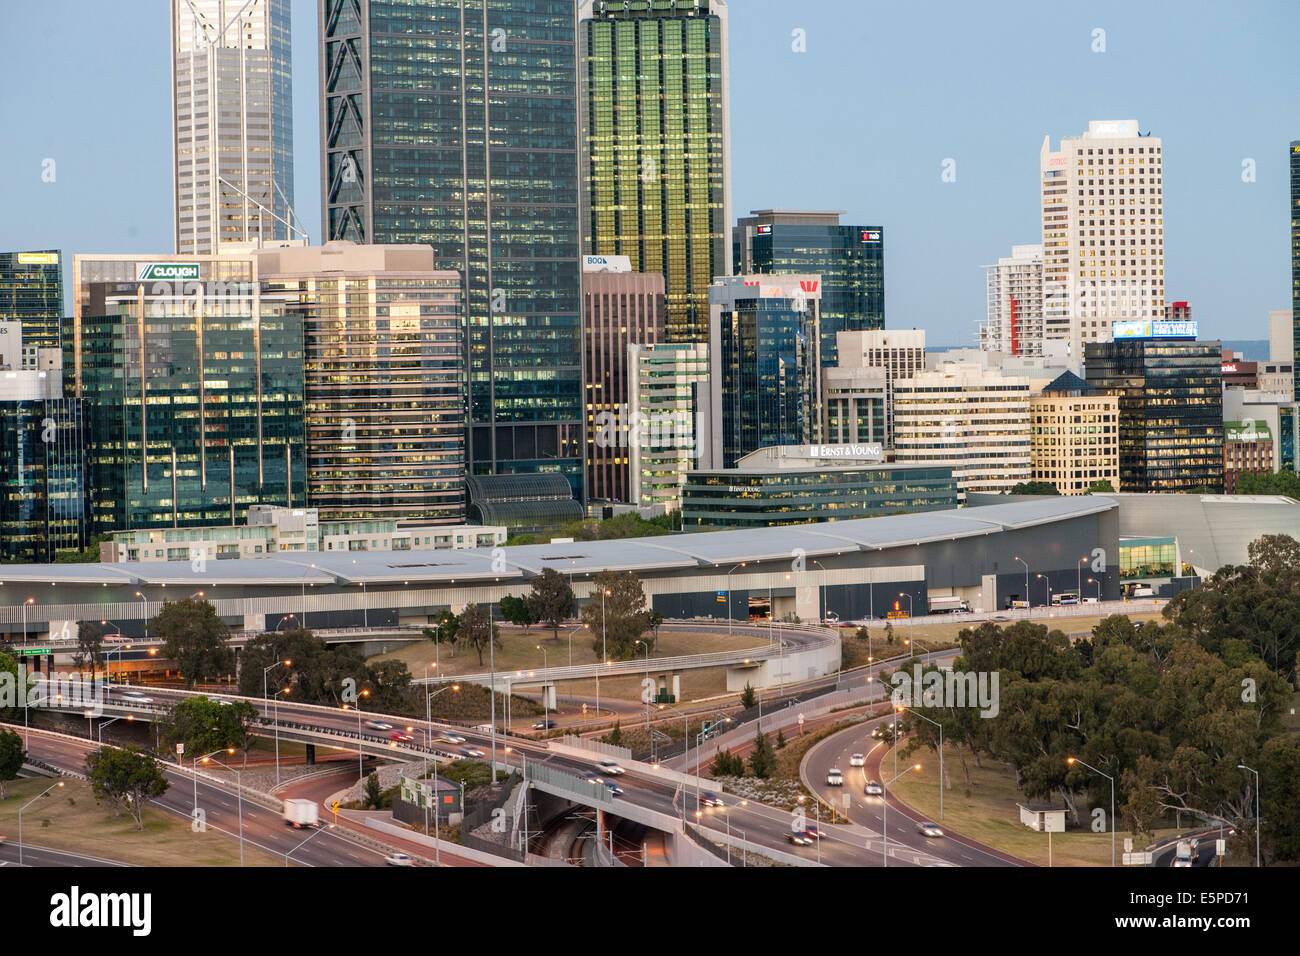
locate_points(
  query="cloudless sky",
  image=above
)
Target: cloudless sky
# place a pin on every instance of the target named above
(862, 121)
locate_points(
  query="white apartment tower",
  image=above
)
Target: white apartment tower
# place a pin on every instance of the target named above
(1103, 233)
(232, 123)
(901, 353)
(1015, 303)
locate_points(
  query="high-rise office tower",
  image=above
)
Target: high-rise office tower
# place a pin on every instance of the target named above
(1075, 438)
(1015, 303)
(193, 385)
(900, 353)
(764, 364)
(1295, 257)
(405, 160)
(31, 294)
(232, 123)
(1170, 404)
(383, 378)
(850, 260)
(620, 308)
(655, 104)
(1103, 232)
(668, 397)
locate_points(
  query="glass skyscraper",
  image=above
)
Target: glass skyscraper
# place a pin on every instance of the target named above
(232, 123)
(1170, 409)
(1295, 254)
(656, 145)
(31, 294)
(193, 381)
(849, 259)
(43, 501)
(406, 160)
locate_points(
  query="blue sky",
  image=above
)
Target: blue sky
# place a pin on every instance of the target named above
(861, 121)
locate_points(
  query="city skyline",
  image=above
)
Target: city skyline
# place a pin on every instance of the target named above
(1231, 112)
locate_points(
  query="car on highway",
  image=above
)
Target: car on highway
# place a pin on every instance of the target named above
(812, 831)
(800, 838)
(834, 778)
(401, 736)
(544, 725)
(379, 725)
(927, 828)
(711, 800)
(591, 777)
(448, 737)
(137, 697)
(613, 788)
(471, 752)
(873, 789)
(609, 767)
(399, 859)
(857, 760)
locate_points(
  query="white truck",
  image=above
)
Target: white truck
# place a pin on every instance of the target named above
(301, 813)
(1185, 853)
(948, 604)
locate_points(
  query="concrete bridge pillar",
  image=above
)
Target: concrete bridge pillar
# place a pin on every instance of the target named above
(548, 696)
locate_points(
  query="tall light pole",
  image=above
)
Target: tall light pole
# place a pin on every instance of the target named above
(1026, 564)
(911, 628)
(916, 713)
(20, 818)
(104, 723)
(1098, 583)
(1242, 766)
(604, 651)
(239, 795)
(826, 594)
(884, 789)
(361, 755)
(265, 671)
(1072, 761)
(144, 611)
(1048, 582)
(1079, 576)
(30, 600)
(492, 669)
(741, 565)
(195, 772)
(646, 686)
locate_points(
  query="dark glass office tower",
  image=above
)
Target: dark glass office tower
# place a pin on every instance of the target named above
(31, 293)
(1170, 408)
(850, 260)
(405, 160)
(1295, 253)
(764, 367)
(43, 500)
(193, 382)
(656, 146)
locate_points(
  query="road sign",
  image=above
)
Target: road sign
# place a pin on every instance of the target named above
(845, 798)
(1128, 844)
(1221, 847)
(34, 651)
(1138, 859)
(180, 749)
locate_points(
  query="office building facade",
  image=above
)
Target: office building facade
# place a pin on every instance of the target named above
(1170, 404)
(1295, 260)
(1247, 449)
(383, 378)
(849, 259)
(764, 363)
(232, 123)
(969, 418)
(1103, 232)
(193, 386)
(655, 130)
(854, 404)
(900, 353)
(1074, 440)
(31, 294)
(405, 159)
(668, 398)
(1014, 322)
(619, 309)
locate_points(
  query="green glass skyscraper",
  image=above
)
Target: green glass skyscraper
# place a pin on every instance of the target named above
(31, 294)
(656, 146)
(405, 160)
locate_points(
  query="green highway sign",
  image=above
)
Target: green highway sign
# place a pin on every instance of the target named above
(34, 651)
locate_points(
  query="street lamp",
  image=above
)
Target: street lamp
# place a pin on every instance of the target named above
(144, 611)
(916, 713)
(197, 760)
(1048, 582)
(287, 617)
(884, 789)
(1072, 761)
(265, 671)
(1098, 583)
(239, 795)
(646, 685)
(818, 805)
(1026, 564)
(30, 600)
(104, 723)
(604, 650)
(361, 756)
(705, 729)
(20, 818)
(911, 629)
(741, 565)
(1078, 572)
(1242, 766)
(826, 607)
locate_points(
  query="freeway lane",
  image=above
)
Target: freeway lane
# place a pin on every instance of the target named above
(836, 751)
(44, 856)
(263, 828)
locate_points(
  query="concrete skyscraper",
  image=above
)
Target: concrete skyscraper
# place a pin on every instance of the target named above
(1015, 304)
(405, 159)
(1103, 233)
(232, 123)
(655, 115)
